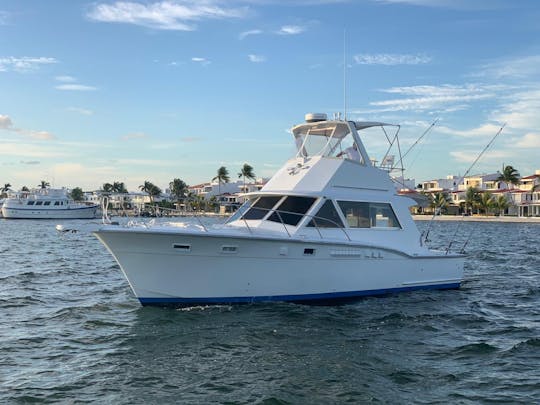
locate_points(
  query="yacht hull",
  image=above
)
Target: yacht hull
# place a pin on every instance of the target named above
(29, 213)
(186, 269)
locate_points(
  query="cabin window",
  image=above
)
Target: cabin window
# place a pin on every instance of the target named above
(57, 203)
(240, 211)
(39, 202)
(261, 207)
(369, 215)
(326, 217)
(382, 216)
(291, 210)
(356, 213)
(47, 203)
(30, 202)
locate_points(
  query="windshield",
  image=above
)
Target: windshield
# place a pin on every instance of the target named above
(326, 139)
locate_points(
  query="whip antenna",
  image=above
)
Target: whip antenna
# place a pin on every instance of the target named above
(344, 74)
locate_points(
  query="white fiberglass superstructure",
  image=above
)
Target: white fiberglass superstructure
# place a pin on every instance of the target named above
(328, 226)
(46, 203)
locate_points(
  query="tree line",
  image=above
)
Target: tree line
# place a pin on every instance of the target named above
(481, 202)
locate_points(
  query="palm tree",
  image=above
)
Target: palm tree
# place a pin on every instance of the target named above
(107, 188)
(501, 203)
(509, 175)
(44, 184)
(77, 194)
(178, 189)
(222, 177)
(471, 198)
(485, 202)
(247, 173)
(118, 187)
(151, 189)
(5, 189)
(439, 201)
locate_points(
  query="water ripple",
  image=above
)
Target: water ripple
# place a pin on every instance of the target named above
(72, 332)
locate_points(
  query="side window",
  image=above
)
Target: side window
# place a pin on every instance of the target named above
(382, 216)
(261, 207)
(47, 203)
(30, 202)
(292, 209)
(356, 213)
(327, 217)
(369, 215)
(57, 203)
(39, 202)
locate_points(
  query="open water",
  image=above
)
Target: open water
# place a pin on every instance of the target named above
(71, 331)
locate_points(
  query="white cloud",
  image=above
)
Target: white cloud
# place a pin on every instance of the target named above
(248, 33)
(391, 59)
(517, 68)
(520, 110)
(489, 157)
(24, 64)
(82, 111)
(202, 61)
(291, 30)
(28, 150)
(135, 135)
(164, 15)
(530, 140)
(7, 124)
(484, 130)
(256, 58)
(425, 98)
(65, 79)
(451, 4)
(75, 87)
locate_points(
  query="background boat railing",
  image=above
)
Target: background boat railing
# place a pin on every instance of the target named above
(313, 219)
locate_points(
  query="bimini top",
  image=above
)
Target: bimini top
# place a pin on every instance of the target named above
(334, 138)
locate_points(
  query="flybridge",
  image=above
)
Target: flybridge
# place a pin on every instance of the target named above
(338, 138)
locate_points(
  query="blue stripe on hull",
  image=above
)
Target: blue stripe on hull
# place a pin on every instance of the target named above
(320, 299)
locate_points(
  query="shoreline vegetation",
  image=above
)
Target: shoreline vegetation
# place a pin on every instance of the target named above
(477, 218)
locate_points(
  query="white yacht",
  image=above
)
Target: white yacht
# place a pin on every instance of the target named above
(46, 203)
(328, 226)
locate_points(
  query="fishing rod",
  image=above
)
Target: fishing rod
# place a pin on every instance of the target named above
(460, 180)
(415, 143)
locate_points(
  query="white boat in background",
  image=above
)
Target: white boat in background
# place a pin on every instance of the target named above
(328, 226)
(46, 203)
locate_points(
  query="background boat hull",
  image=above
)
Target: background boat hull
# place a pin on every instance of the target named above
(75, 213)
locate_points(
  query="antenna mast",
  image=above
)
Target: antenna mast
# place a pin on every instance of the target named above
(344, 74)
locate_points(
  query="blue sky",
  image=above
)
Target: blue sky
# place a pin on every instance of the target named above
(103, 91)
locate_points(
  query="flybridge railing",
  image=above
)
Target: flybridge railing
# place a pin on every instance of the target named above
(313, 219)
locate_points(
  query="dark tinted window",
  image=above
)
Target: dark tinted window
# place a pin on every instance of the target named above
(327, 217)
(47, 203)
(261, 207)
(292, 209)
(39, 202)
(30, 202)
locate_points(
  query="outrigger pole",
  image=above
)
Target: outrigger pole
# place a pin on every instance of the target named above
(460, 180)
